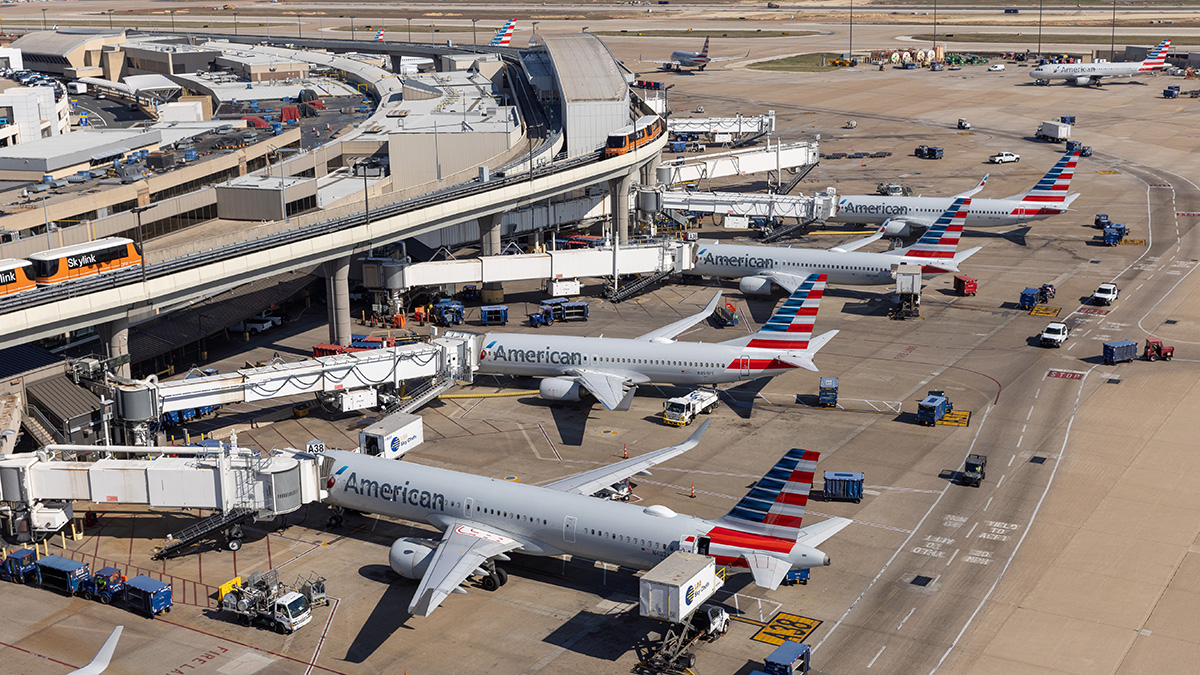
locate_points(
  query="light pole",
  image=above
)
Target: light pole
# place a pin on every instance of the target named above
(351, 28)
(172, 21)
(299, 30)
(473, 21)
(363, 164)
(430, 33)
(141, 247)
(1039, 51)
(110, 13)
(409, 20)
(935, 25)
(851, 29)
(46, 216)
(535, 23)
(235, 23)
(43, 18)
(1112, 45)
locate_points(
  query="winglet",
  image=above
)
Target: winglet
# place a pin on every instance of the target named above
(975, 190)
(99, 663)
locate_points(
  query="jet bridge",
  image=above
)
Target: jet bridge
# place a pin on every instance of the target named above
(738, 125)
(797, 156)
(820, 206)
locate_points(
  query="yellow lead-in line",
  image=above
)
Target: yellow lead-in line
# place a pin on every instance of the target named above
(501, 394)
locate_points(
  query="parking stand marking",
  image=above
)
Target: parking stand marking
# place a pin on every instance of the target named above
(784, 626)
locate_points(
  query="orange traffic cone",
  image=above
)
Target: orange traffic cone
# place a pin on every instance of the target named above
(693, 491)
(625, 452)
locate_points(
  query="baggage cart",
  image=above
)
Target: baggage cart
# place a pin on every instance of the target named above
(843, 485)
(1029, 298)
(556, 307)
(494, 315)
(1119, 351)
(827, 395)
(148, 596)
(574, 311)
(62, 573)
(965, 285)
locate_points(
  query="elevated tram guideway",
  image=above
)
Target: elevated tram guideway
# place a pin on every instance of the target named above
(797, 157)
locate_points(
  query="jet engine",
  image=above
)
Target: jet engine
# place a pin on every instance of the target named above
(410, 557)
(560, 389)
(1083, 80)
(896, 228)
(755, 286)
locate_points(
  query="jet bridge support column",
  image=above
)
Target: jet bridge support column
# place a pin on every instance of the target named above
(337, 299)
(116, 335)
(618, 190)
(489, 244)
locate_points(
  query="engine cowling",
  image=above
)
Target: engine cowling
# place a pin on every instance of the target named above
(754, 286)
(410, 557)
(1083, 81)
(896, 228)
(560, 389)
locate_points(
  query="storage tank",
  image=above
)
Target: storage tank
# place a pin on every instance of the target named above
(280, 480)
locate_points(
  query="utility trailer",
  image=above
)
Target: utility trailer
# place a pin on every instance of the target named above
(148, 596)
(64, 574)
(674, 592)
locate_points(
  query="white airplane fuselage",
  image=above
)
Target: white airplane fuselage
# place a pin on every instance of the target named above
(641, 361)
(878, 209)
(546, 522)
(690, 59)
(1092, 71)
(853, 268)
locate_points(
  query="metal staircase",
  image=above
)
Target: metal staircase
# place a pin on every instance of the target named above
(800, 175)
(423, 395)
(637, 286)
(778, 233)
(42, 435)
(190, 535)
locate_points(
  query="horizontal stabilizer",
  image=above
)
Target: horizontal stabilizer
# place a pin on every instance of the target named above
(814, 535)
(768, 570)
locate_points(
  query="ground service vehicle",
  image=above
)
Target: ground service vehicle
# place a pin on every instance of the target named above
(1084, 150)
(16, 276)
(1171, 91)
(494, 315)
(1105, 294)
(148, 595)
(1155, 349)
(20, 566)
(673, 592)
(1112, 236)
(447, 313)
(262, 598)
(62, 573)
(893, 190)
(928, 152)
(827, 394)
(963, 123)
(1053, 131)
(789, 658)
(996, 67)
(105, 585)
(680, 411)
(1029, 298)
(974, 470)
(965, 285)
(543, 317)
(626, 139)
(1121, 350)
(80, 260)
(1102, 220)
(847, 485)
(1055, 335)
(1004, 158)
(933, 408)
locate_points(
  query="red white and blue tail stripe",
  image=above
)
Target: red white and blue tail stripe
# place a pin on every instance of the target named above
(704, 51)
(941, 240)
(791, 327)
(774, 507)
(504, 35)
(379, 36)
(1052, 189)
(1157, 59)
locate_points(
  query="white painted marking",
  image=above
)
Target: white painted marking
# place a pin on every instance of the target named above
(1019, 441)
(951, 557)
(989, 503)
(876, 656)
(1029, 414)
(971, 530)
(1001, 480)
(1085, 334)
(910, 613)
(1011, 459)
(1038, 392)
(1023, 427)
(1071, 347)
(1139, 287)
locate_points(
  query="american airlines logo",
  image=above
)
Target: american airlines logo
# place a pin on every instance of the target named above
(497, 352)
(735, 260)
(393, 493)
(872, 209)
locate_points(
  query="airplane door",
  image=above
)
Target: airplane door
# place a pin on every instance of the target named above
(468, 505)
(744, 366)
(569, 529)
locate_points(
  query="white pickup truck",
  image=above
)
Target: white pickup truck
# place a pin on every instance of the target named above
(1004, 158)
(1105, 294)
(1055, 335)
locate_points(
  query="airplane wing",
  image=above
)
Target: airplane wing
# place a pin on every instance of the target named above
(667, 333)
(727, 58)
(859, 243)
(817, 533)
(788, 282)
(462, 550)
(973, 191)
(664, 63)
(591, 482)
(609, 388)
(99, 662)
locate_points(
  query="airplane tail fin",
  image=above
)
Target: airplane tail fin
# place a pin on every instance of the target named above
(1051, 190)
(379, 36)
(791, 326)
(1157, 58)
(774, 507)
(941, 240)
(704, 51)
(504, 35)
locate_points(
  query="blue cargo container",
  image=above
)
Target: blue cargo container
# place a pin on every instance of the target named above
(148, 595)
(20, 566)
(843, 485)
(932, 409)
(678, 146)
(62, 573)
(828, 392)
(794, 577)
(1029, 298)
(1121, 350)
(1112, 236)
(789, 658)
(494, 315)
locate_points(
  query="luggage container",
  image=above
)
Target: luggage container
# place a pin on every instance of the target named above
(965, 285)
(1119, 351)
(62, 573)
(494, 315)
(574, 311)
(556, 307)
(1029, 298)
(932, 409)
(148, 595)
(828, 393)
(789, 658)
(843, 485)
(794, 577)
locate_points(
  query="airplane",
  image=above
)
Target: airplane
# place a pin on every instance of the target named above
(900, 216)
(1084, 74)
(482, 519)
(504, 35)
(760, 267)
(610, 369)
(99, 662)
(679, 59)
(378, 36)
